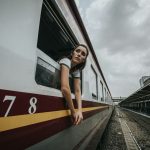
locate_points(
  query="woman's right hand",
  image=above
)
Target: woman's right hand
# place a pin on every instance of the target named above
(77, 117)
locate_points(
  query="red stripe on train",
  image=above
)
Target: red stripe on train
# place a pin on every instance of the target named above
(22, 102)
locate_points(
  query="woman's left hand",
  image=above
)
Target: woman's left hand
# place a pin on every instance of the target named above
(78, 117)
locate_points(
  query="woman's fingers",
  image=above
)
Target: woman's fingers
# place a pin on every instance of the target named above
(78, 121)
(77, 118)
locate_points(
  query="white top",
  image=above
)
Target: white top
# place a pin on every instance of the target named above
(67, 62)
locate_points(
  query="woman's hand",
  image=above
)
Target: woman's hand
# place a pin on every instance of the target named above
(77, 117)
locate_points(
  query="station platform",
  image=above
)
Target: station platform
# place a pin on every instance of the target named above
(126, 130)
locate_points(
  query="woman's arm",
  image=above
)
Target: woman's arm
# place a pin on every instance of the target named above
(65, 88)
(77, 91)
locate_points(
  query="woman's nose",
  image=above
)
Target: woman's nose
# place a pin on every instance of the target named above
(79, 54)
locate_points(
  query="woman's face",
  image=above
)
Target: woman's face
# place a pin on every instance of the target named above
(79, 55)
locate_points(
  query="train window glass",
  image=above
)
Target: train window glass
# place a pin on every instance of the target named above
(105, 94)
(93, 83)
(101, 91)
(48, 76)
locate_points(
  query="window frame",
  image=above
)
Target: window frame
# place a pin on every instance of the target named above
(95, 97)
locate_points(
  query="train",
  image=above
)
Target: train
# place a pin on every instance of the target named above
(34, 34)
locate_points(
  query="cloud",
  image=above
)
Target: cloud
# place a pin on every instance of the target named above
(122, 72)
(114, 26)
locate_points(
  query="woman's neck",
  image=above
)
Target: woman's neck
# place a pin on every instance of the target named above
(73, 64)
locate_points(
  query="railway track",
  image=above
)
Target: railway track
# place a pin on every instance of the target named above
(142, 121)
(139, 127)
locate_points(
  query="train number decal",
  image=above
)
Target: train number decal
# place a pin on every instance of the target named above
(32, 108)
(32, 104)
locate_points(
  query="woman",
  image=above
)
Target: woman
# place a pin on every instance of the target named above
(73, 65)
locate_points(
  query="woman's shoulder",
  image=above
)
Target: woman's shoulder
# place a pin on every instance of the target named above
(65, 61)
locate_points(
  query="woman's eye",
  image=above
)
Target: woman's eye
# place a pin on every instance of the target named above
(78, 50)
(83, 54)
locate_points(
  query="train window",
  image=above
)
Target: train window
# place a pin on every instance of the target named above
(55, 40)
(48, 76)
(101, 91)
(93, 83)
(105, 94)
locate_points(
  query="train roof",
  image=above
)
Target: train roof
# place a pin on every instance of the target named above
(78, 18)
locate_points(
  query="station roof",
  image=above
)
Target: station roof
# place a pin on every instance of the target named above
(143, 94)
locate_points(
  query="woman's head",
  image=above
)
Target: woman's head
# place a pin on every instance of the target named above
(79, 56)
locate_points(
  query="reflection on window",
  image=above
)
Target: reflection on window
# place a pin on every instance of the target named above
(49, 76)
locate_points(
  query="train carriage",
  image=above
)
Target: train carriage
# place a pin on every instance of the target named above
(34, 35)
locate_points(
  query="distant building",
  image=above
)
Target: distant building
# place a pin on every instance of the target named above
(145, 80)
(116, 100)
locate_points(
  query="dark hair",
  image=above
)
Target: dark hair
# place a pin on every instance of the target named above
(82, 65)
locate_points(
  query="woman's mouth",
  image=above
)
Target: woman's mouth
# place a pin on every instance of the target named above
(77, 58)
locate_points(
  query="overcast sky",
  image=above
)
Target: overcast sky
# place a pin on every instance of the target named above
(120, 34)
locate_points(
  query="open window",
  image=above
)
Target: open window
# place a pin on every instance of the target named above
(55, 40)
